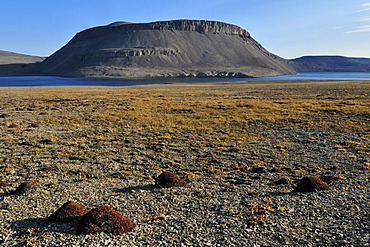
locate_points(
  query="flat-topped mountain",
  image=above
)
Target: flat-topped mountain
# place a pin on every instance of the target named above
(165, 48)
(330, 64)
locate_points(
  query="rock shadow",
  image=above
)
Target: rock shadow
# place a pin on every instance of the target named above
(145, 187)
(36, 226)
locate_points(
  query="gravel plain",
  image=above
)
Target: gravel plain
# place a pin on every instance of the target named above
(105, 146)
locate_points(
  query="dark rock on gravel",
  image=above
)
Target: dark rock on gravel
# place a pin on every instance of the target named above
(311, 184)
(169, 179)
(13, 126)
(105, 219)
(25, 187)
(274, 169)
(260, 169)
(283, 180)
(34, 125)
(68, 212)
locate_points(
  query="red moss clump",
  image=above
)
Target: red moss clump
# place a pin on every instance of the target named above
(68, 212)
(104, 219)
(2, 184)
(311, 184)
(169, 179)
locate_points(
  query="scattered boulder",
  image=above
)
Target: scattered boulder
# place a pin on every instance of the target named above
(283, 180)
(255, 177)
(274, 169)
(13, 126)
(68, 212)
(25, 187)
(34, 125)
(311, 184)
(104, 219)
(169, 179)
(259, 169)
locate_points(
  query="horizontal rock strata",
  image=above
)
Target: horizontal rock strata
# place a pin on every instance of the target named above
(164, 48)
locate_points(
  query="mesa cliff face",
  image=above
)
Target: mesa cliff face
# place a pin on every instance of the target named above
(164, 48)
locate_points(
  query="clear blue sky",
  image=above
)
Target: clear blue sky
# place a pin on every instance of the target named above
(288, 28)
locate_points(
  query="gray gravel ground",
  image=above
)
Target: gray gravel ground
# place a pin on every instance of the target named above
(213, 210)
(209, 212)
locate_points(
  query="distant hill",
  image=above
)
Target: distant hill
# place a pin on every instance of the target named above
(330, 64)
(7, 57)
(164, 49)
(17, 64)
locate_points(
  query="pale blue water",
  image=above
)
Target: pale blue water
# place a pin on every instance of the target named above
(29, 81)
(318, 76)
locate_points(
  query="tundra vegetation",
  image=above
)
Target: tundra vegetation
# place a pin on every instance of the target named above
(231, 143)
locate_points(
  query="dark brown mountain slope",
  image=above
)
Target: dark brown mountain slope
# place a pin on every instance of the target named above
(165, 48)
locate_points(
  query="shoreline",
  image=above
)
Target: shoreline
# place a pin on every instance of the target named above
(32, 81)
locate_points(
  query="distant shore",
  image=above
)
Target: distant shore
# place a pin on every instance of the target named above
(17, 81)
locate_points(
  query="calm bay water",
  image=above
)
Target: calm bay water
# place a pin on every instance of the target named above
(41, 81)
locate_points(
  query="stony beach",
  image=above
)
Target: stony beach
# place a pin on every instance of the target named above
(242, 148)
